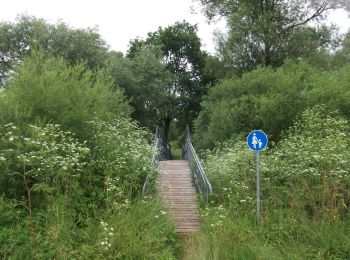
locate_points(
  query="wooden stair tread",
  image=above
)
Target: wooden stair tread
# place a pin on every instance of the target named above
(176, 190)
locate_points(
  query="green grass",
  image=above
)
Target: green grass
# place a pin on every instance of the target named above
(281, 235)
(139, 231)
(176, 150)
(305, 196)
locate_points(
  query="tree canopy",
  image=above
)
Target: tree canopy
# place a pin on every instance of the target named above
(183, 58)
(266, 32)
(27, 33)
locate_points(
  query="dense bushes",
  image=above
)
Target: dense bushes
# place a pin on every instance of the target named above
(305, 195)
(47, 90)
(71, 159)
(123, 154)
(269, 99)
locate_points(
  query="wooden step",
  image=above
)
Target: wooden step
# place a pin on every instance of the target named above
(175, 188)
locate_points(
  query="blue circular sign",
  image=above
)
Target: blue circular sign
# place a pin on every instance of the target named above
(257, 140)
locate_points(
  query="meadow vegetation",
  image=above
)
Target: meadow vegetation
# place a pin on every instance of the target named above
(305, 195)
(72, 168)
(76, 140)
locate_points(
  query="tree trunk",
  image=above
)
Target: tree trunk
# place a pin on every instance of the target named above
(267, 55)
(167, 122)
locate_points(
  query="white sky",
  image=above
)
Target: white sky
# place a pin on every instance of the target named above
(119, 21)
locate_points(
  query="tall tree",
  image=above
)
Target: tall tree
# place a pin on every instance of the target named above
(75, 45)
(184, 60)
(342, 56)
(144, 79)
(261, 31)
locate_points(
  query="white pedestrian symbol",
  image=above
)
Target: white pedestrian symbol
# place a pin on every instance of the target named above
(256, 141)
(260, 144)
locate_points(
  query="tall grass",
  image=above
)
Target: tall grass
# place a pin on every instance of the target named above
(305, 196)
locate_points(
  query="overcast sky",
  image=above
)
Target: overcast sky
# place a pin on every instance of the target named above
(119, 21)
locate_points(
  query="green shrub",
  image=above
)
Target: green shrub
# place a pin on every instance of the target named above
(269, 99)
(138, 231)
(124, 155)
(47, 90)
(47, 162)
(305, 186)
(60, 188)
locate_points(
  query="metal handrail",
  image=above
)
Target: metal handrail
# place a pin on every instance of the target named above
(162, 151)
(202, 184)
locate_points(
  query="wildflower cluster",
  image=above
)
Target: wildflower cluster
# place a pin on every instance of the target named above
(47, 155)
(124, 156)
(108, 233)
(162, 212)
(313, 158)
(228, 168)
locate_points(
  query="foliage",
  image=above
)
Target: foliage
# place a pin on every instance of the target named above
(143, 231)
(265, 33)
(285, 234)
(48, 161)
(305, 194)
(144, 79)
(69, 156)
(342, 56)
(123, 154)
(270, 99)
(184, 60)
(54, 189)
(47, 90)
(27, 33)
(43, 172)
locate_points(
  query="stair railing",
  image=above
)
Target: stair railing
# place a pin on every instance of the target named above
(162, 151)
(202, 184)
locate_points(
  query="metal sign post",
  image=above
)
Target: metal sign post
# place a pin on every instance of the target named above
(257, 141)
(257, 187)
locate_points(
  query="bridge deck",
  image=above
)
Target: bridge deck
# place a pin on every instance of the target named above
(176, 190)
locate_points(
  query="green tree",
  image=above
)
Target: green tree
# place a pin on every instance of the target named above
(144, 79)
(269, 99)
(75, 45)
(342, 56)
(48, 90)
(182, 57)
(265, 32)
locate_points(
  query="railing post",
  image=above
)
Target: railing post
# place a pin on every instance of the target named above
(201, 182)
(162, 151)
(188, 132)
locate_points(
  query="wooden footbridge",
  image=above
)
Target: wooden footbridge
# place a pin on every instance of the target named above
(181, 184)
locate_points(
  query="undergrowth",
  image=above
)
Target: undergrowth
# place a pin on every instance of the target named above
(305, 184)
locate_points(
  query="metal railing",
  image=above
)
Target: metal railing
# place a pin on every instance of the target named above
(162, 152)
(202, 184)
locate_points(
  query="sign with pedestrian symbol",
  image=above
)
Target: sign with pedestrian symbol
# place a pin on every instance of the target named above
(257, 140)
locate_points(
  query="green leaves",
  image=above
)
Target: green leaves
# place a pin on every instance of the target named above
(53, 160)
(76, 45)
(123, 156)
(48, 90)
(307, 170)
(183, 73)
(265, 33)
(270, 100)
